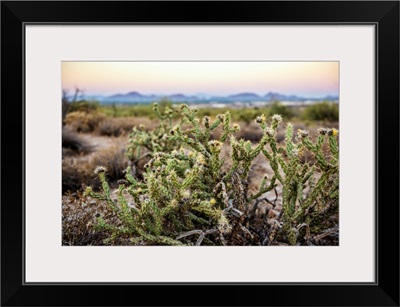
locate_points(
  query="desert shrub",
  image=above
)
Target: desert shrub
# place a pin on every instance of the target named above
(73, 143)
(279, 108)
(83, 121)
(77, 172)
(323, 111)
(187, 196)
(111, 126)
(127, 111)
(114, 159)
(250, 132)
(246, 115)
(83, 106)
(76, 176)
(134, 110)
(77, 106)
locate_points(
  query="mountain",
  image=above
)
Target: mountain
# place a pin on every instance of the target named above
(244, 97)
(330, 97)
(130, 97)
(178, 97)
(271, 96)
(136, 97)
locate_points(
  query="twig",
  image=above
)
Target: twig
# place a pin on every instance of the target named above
(201, 233)
(326, 233)
(189, 233)
(142, 156)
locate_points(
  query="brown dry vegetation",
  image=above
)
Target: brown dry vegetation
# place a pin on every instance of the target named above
(78, 166)
(87, 143)
(117, 126)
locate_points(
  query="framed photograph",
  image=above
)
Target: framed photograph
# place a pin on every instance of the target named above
(239, 153)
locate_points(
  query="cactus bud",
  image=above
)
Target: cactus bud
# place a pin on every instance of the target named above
(333, 132)
(277, 118)
(269, 131)
(301, 134)
(261, 119)
(236, 127)
(185, 194)
(100, 169)
(206, 121)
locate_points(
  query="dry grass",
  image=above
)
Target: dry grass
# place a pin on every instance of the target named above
(73, 143)
(112, 126)
(80, 121)
(105, 126)
(76, 175)
(78, 171)
(112, 158)
(79, 217)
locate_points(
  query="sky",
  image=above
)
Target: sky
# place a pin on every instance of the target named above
(308, 79)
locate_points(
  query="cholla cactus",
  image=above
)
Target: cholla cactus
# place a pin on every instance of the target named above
(186, 198)
(305, 203)
(141, 140)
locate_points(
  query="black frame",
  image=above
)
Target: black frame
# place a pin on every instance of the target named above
(383, 14)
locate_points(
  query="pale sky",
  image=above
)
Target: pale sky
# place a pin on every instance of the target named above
(309, 79)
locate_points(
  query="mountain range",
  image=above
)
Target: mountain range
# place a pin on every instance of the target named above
(136, 97)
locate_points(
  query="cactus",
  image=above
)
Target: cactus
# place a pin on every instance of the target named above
(186, 198)
(141, 140)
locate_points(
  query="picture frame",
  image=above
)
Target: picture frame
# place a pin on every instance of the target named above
(383, 15)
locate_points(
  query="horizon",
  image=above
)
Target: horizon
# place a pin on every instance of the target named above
(207, 94)
(305, 79)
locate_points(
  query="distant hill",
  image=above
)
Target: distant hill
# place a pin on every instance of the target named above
(271, 96)
(244, 97)
(136, 98)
